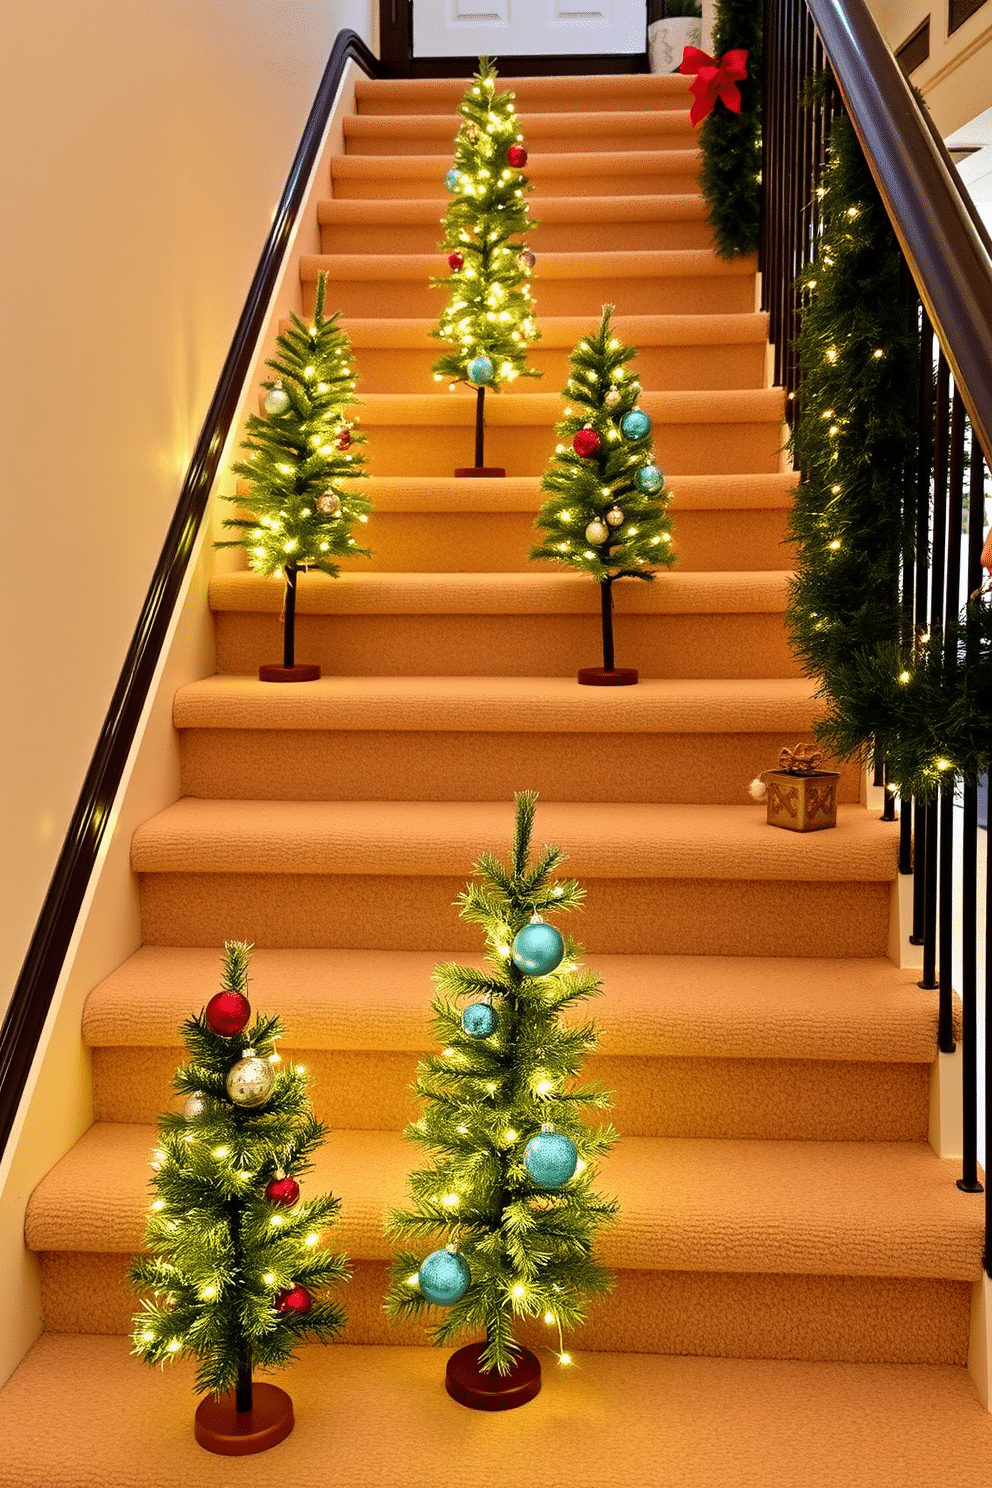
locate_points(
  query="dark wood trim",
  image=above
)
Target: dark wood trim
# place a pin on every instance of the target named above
(56, 925)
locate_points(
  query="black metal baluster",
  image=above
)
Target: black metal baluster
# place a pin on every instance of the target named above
(948, 610)
(936, 606)
(923, 502)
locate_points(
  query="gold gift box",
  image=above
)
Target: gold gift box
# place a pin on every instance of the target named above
(802, 803)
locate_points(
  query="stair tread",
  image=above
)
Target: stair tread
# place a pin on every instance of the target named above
(522, 493)
(615, 87)
(737, 1007)
(640, 263)
(418, 210)
(502, 705)
(666, 162)
(700, 1423)
(560, 332)
(764, 592)
(533, 124)
(440, 838)
(686, 1204)
(709, 406)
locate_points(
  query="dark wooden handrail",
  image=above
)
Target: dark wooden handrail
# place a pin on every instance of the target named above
(46, 954)
(942, 237)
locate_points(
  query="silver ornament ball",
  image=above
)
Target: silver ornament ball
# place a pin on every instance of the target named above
(614, 517)
(276, 402)
(612, 398)
(195, 1106)
(250, 1081)
(597, 531)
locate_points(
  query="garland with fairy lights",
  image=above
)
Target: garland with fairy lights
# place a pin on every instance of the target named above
(730, 175)
(921, 703)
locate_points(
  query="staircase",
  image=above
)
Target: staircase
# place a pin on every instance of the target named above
(794, 1264)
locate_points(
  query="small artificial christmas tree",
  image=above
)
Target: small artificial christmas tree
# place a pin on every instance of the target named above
(234, 1266)
(490, 315)
(605, 512)
(300, 517)
(509, 1174)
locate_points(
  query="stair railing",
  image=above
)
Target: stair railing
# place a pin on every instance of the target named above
(948, 258)
(42, 968)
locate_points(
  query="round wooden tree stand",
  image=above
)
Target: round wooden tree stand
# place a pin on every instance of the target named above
(220, 1428)
(612, 677)
(480, 470)
(466, 1382)
(302, 673)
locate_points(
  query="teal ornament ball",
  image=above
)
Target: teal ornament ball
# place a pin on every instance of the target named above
(453, 179)
(649, 479)
(444, 1277)
(537, 949)
(636, 425)
(550, 1158)
(479, 1019)
(480, 370)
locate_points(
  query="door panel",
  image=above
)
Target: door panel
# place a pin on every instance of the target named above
(508, 28)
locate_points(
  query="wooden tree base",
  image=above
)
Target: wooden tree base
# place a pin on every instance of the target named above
(220, 1428)
(466, 1382)
(600, 677)
(480, 470)
(304, 672)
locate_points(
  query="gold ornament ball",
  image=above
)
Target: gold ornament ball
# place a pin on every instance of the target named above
(614, 517)
(329, 504)
(597, 531)
(250, 1081)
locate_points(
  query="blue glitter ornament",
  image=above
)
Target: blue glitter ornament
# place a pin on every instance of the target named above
(480, 369)
(551, 1158)
(444, 1277)
(538, 948)
(649, 479)
(635, 424)
(479, 1019)
(453, 179)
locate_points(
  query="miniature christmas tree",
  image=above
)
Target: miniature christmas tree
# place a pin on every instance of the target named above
(605, 512)
(490, 315)
(510, 1166)
(299, 515)
(234, 1264)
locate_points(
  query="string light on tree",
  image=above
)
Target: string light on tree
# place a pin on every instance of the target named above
(518, 1235)
(604, 482)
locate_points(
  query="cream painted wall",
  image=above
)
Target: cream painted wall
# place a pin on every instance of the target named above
(956, 79)
(144, 148)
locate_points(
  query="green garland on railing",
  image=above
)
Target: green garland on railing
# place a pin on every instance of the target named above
(730, 176)
(856, 441)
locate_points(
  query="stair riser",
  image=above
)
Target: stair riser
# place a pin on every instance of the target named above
(401, 765)
(562, 141)
(697, 646)
(426, 188)
(498, 542)
(522, 449)
(737, 1099)
(695, 917)
(702, 294)
(548, 237)
(386, 100)
(660, 368)
(720, 1315)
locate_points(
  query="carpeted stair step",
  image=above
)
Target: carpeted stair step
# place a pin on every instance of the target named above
(675, 352)
(565, 284)
(698, 1423)
(565, 95)
(591, 173)
(461, 738)
(508, 624)
(908, 1243)
(383, 875)
(544, 133)
(559, 224)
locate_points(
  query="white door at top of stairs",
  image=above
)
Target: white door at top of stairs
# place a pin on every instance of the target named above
(515, 28)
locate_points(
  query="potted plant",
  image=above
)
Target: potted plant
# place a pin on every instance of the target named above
(799, 795)
(672, 26)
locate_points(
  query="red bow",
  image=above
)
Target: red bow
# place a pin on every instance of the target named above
(715, 80)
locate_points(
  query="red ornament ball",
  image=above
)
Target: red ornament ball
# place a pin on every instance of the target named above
(227, 1013)
(344, 439)
(587, 443)
(455, 261)
(516, 156)
(284, 1191)
(294, 1300)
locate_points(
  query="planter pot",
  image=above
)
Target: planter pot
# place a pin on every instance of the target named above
(668, 39)
(802, 803)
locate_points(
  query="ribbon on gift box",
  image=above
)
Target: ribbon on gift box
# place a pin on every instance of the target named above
(805, 759)
(715, 79)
